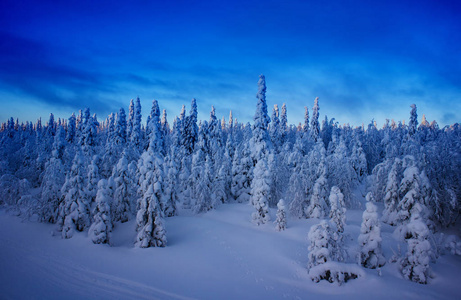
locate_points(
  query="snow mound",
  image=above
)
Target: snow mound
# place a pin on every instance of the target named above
(335, 272)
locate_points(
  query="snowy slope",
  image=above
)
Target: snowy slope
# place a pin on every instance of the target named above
(217, 255)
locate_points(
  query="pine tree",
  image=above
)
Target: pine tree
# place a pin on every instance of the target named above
(129, 125)
(315, 125)
(260, 188)
(260, 141)
(415, 264)
(391, 194)
(370, 255)
(306, 120)
(171, 194)
(340, 170)
(297, 182)
(101, 229)
(190, 131)
(120, 128)
(75, 208)
(221, 185)
(242, 174)
(338, 209)
(53, 180)
(124, 193)
(413, 124)
(93, 178)
(318, 206)
(320, 244)
(409, 191)
(275, 128)
(136, 134)
(284, 124)
(261, 147)
(203, 200)
(149, 218)
(51, 126)
(71, 129)
(88, 131)
(281, 221)
(358, 160)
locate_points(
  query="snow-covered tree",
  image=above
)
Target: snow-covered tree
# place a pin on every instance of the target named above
(53, 180)
(93, 178)
(171, 185)
(337, 209)
(306, 120)
(260, 141)
(135, 125)
(410, 192)
(101, 229)
(221, 184)
(358, 160)
(275, 135)
(124, 192)
(370, 255)
(297, 182)
(242, 172)
(283, 123)
(202, 195)
(317, 205)
(149, 220)
(120, 128)
(260, 188)
(315, 125)
(71, 129)
(340, 171)
(391, 194)
(415, 264)
(75, 208)
(190, 131)
(320, 244)
(88, 131)
(413, 124)
(261, 146)
(281, 221)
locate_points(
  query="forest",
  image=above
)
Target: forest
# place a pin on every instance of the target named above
(89, 175)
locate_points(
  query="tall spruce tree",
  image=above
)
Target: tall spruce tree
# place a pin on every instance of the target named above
(261, 146)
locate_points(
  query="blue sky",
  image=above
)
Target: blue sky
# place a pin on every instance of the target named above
(363, 59)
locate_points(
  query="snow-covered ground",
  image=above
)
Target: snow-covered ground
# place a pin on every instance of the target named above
(217, 255)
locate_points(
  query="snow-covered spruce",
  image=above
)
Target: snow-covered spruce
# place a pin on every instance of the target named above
(415, 264)
(337, 209)
(75, 209)
(320, 244)
(261, 146)
(281, 221)
(324, 254)
(149, 219)
(391, 194)
(52, 183)
(101, 229)
(317, 206)
(370, 255)
(260, 188)
(171, 194)
(124, 193)
(150, 228)
(410, 191)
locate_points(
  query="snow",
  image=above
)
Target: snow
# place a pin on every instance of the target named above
(216, 255)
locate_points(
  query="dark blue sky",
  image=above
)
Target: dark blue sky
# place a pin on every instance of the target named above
(363, 59)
